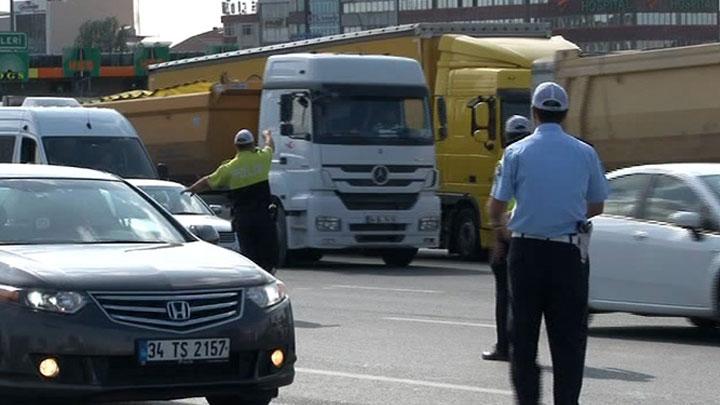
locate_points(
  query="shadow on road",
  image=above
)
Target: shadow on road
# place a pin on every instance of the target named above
(611, 373)
(379, 269)
(686, 335)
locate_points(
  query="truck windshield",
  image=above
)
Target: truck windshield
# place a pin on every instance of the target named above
(7, 149)
(123, 156)
(362, 120)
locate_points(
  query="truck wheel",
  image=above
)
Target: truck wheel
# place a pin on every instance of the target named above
(282, 250)
(399, 257)
(467, 235)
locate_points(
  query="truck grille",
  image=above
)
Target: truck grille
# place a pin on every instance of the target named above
(371, 183)
(377, 227)
(368, 168)
(227, 237)
(379, 238)
(378, 202)
(179, 312)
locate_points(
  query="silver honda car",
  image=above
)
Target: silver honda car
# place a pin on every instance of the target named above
(105, 296)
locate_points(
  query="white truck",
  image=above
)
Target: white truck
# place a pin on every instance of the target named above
(354, 166)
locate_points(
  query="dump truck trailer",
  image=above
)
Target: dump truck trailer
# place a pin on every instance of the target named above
(643, 107)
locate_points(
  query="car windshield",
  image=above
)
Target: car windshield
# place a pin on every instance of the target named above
(177, 202)
(372, 120)
(713, 183)
(123, 156)
(60, 211)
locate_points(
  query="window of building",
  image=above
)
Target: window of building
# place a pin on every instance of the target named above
(229, 31)
(447, 3)
(247, 29)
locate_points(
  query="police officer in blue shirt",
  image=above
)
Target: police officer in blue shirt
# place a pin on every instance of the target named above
(558, 183)
(517, 127)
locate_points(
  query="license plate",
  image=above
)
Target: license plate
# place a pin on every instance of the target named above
(380, 219)
(187, 350)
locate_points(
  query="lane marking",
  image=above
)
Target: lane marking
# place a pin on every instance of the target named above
(428, 384)
(477, 325)
(359, 287)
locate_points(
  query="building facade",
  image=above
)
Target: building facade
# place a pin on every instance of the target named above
(595, 25)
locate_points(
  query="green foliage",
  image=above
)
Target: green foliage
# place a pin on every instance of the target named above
(107, 35)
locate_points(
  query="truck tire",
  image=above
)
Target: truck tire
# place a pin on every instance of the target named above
(399, 257)
(307, 256)
(282, 250)
(466, 235)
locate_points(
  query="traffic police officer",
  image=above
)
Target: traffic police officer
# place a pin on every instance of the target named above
(245, 177)
(517, 127)
(558, 183)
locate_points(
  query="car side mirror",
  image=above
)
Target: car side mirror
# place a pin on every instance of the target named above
(687, 220)
(206, 233)
(216, 209)
(691, 221)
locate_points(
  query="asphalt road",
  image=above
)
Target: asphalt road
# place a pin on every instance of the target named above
(367, 334)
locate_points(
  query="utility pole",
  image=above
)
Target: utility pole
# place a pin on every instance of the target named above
(307, 19)
(12, 15)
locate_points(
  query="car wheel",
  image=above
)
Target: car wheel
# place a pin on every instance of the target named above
(705, 323)
(236, 400)
(399, 257)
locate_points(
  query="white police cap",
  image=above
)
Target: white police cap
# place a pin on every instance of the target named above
(244, 137)
(550, 96)
(517, 124)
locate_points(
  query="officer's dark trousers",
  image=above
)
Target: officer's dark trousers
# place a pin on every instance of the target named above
(547, 279)
(257, 237)
(500, 270)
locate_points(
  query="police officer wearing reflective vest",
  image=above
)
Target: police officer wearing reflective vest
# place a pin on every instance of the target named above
(245, 178)
(517, 127)
(558, 183)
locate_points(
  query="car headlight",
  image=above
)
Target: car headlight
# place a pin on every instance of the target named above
(267, 295)
(63, 302)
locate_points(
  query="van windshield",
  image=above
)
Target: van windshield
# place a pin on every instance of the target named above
(123, 156)
(7, 149)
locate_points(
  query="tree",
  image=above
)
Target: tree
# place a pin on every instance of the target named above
(105, 34)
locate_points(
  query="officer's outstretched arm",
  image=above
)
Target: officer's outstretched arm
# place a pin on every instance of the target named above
(199, 186)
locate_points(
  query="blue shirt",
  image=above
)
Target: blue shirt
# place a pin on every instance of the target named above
(552, 176)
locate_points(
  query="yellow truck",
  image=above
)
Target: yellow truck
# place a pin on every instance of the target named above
(643, 107)
(478, 75)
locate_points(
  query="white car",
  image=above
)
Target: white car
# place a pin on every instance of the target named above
(656, 249)
(189, 210)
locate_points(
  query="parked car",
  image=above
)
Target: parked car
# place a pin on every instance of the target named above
(656, 249)
(189, 210)
(104, 295)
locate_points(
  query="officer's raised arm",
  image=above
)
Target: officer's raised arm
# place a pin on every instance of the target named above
(269, 142)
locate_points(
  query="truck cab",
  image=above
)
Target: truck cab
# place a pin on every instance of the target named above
(354, 166)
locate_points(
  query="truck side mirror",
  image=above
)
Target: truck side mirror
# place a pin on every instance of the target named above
(286, 107)
(481, 113)
(286, 129)
(442, 118)
(163, 171)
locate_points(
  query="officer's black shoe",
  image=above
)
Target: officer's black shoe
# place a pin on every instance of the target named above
(495, 355)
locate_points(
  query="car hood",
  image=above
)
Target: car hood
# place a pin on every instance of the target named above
(221, 225)
(194, 265)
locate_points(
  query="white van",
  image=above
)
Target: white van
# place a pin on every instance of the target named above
(94, 138)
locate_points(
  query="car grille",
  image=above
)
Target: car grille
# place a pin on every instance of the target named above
(194, 310)
(227, 237)
(378, 202)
